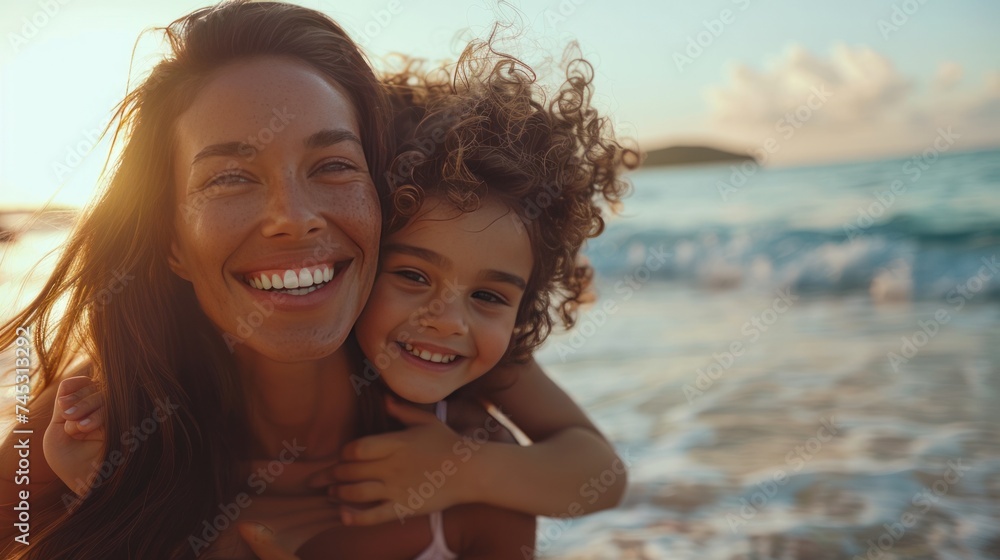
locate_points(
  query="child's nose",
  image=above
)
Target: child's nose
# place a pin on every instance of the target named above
(447, 318)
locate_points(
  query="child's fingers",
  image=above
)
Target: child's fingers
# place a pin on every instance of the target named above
(358, 472)
(362, 492)
(370, 448)
(321, 479)
(73, 389)
(83, 407)
(263, 543)
(372, 516)
(92, 424)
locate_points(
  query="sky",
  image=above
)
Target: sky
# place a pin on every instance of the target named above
(793, 82)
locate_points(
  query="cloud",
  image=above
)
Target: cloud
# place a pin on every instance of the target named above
(869, 109)
(863, 85)
(948, 75)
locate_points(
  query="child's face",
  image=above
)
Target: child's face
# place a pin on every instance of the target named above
(445, 299)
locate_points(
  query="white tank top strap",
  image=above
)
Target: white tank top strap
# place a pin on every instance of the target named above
(438, 549)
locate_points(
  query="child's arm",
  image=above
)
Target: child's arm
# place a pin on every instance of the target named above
(569, 470)
(74, 439)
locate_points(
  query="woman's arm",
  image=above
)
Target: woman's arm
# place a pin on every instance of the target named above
(569, 470)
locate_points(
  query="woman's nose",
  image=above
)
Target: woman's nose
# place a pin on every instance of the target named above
(290, 209)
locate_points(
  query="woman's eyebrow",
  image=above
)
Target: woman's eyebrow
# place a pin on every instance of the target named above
(321, 139)
(331, 136)
(225, 149)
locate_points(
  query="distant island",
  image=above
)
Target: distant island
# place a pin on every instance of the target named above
(14, 221)
(688, 155)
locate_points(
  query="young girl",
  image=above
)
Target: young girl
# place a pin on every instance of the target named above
(494, 193)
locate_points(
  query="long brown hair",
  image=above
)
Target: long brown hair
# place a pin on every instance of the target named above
(150, 344)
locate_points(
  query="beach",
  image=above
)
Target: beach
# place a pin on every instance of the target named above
(804, 363)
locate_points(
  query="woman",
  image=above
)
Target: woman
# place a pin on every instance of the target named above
(269, 82)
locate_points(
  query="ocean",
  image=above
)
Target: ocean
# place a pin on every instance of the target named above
(804, 364)
(797, 363)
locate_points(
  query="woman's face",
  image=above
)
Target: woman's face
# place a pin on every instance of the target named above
(277, 219)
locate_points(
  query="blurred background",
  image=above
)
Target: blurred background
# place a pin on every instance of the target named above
(797, 344)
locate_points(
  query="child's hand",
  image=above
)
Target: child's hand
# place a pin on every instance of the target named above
(263, 542)
(389, 469)
(74, 440)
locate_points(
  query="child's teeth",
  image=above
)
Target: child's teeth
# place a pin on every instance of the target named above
(426, 355)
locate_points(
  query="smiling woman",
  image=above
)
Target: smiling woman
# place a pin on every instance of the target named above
(266, 214)
(276, 130)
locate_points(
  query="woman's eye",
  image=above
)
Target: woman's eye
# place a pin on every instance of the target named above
(227, 179)
(334, 167)
(412, 276)
(489, 297)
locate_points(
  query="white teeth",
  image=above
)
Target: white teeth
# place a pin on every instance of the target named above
(425, 355)
(303, 291)
(305, 278)
(292, 280)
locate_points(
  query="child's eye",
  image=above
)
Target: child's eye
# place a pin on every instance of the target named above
(412, 275)
(489, 297)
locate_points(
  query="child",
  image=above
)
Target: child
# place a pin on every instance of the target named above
(492, 196)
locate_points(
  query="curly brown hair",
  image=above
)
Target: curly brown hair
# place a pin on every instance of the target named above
(487, 128)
